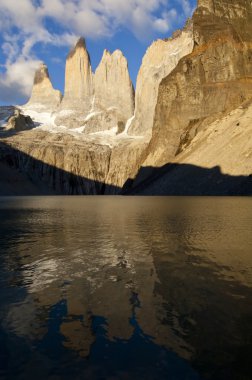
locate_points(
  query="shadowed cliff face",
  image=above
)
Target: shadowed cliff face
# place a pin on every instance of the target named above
(67, 165)
(186, 179)
(30, 173)
(214, 79)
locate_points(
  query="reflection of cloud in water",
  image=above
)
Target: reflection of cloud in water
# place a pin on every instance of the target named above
(190, 275)
(39, 275)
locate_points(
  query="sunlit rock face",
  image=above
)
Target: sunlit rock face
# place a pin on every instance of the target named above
(159, 61)
(78, 79)
(214, 79)
(113, 102)
(44, 96)
(217, 161)
(97, 102)
(79, 88)
(185, 85)
(228, 9)
(113, 86)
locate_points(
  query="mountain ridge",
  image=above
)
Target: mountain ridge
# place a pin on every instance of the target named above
(187, 88)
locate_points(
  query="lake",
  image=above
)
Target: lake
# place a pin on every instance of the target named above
(126, 288)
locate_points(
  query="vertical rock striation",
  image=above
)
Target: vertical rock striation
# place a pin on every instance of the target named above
(211, 81)
(159, 61)
(78, 79)
(113, 86)
(79, 89)
(43, 96)
(114, 95)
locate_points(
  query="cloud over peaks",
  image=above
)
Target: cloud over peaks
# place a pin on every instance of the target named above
(26, 23)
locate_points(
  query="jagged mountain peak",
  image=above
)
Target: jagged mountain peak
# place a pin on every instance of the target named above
(106, 53)
(113, 86)
(41, 73)
(44, 96)
(80, 44)
(116, 54)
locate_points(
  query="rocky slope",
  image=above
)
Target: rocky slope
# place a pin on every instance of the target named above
(218, 161)
(183, 137)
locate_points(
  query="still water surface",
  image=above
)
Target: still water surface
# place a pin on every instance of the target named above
(125, 288)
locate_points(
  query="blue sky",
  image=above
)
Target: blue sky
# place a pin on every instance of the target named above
(32, 31)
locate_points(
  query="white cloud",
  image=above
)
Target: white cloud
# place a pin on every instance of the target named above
(90, 18)
(23, 25)
(187, 7)
(17, 79)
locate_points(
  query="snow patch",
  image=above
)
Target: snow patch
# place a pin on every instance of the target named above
(79, 130)
(127, 126)
(41, 118)
(54, 129)
(65, 113)
(92, 114)
(108, 132)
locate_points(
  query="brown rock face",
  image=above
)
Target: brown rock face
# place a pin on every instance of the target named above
(113, 86)
(44, 96)
(214, 79)
(217, 161)
(228, 9)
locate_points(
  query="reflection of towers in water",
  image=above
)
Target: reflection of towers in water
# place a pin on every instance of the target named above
(95, 269)
(94, 256)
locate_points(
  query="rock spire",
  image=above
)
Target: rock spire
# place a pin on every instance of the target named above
(44, 96)
(113, 86)
(78, 79)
